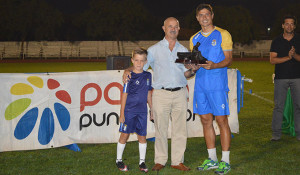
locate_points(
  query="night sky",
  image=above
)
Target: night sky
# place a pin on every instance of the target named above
(265, 10)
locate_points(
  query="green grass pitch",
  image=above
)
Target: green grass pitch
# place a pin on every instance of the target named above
(252, 152)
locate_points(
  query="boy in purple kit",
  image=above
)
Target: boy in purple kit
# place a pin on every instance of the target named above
(133, 114)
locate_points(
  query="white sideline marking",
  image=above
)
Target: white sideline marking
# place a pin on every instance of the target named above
(260, 97)
(264, 92)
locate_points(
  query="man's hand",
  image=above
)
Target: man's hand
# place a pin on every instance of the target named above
(122, 118)
(292, 52)
(209, 65)
(194, 67)
(126, 76)
(151, 116)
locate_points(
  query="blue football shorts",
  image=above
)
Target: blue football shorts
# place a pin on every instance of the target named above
(215, 102)
(134, 123)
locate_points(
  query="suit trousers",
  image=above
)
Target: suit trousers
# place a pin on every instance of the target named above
(170, 106)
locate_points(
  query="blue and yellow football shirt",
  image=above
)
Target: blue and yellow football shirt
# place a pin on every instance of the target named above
(212, 46)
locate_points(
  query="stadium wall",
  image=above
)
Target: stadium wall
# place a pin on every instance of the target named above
(102, 49)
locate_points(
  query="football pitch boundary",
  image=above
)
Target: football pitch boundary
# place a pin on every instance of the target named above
(252, 150)
(260, 97)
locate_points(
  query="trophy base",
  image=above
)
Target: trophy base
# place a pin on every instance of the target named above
(189, 61)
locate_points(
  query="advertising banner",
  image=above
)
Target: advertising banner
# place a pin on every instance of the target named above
(46, 110)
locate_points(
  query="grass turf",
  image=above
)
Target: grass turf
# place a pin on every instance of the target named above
(252, 152)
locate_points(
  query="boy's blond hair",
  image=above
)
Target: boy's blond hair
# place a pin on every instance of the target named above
(140, 51)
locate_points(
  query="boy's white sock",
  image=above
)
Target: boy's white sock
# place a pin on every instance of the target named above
(212, 154)
(120, 150)
(142, 150)
(225, 156)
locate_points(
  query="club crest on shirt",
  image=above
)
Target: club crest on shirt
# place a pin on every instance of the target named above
(214, 42)
(137, 82)
(223, 106)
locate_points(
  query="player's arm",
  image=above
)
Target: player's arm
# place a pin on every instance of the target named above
(276, 60)
(225, 63)
(149, 100)
(226, 46)
(123, 103)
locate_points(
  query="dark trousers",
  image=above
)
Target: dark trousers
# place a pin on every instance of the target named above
(280, 92)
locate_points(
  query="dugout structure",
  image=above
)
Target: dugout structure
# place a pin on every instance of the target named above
(117, 62)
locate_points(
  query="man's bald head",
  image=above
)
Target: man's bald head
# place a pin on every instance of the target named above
(170, 19)
(171, 28)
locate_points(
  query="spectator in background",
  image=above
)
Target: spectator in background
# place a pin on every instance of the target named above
(285, 54)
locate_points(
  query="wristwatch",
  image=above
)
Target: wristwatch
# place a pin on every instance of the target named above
(192, 72)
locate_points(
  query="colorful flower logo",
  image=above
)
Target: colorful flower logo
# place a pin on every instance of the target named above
(28, 121)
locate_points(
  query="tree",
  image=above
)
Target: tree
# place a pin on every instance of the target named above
(28, 20)
(7, 20)
(241, 27)
(292, 9)
(116, 20)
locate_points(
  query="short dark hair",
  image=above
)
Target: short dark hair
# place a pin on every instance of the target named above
(204, 6)
(289, 16)
(140, 51)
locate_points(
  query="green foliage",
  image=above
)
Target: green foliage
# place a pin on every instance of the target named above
(28, 20)
(25, 20)
(292, 9)
(242, 27)
(117, 20)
